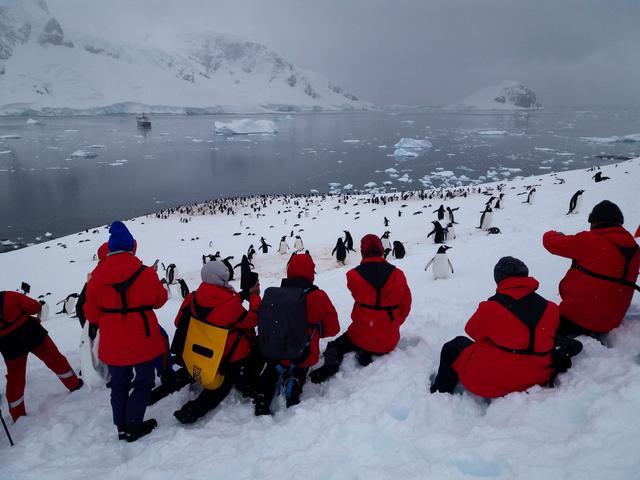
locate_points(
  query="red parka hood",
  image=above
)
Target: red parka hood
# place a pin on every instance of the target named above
(301, 265)
(517, 287)
(209, 295)
(116, 268)
(618, 235)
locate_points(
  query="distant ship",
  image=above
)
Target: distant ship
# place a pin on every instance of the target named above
(143, 121)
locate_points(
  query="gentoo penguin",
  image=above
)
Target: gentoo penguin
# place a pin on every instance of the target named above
(386, 222)
(171, 273)
(437, 232)
(599, 178)
(251, 252)
(264, 246)
(68, 304)
(499, 202)
(441, 263)
(340, 251)
(575, 202)
(398, 250)
(440, 212)
(449, 232)
(44, 311)
(450, 211)
(165, 285)
(283, 247)
(184, 289)
(486, 218)
(229, 266)
(246, 269)
(298, 245)
(386, 243)
(530, 196)
(348, 241)
(493, 231)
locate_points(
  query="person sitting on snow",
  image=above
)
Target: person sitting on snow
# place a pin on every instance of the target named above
(597, 290)
(512, 338)
(382, 302)
(322, 322)
(20, 334)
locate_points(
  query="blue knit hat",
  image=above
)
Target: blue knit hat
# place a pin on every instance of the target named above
(120, 239)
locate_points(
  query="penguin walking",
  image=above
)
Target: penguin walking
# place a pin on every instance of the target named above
(171, 274)
(386, 222)
(398, 250)
(386, 242)
(348, 241)
(298, 244)
(441, 263)
(440, 212)
(575, 202)
(283, 248)
(340, 251)
(437, 232)
(184, 289)
(599, 178)
(68, 304)
(530, 196)
(486, 218)
(227, 263)
(264, 246)
(251, 252)
(452, 218)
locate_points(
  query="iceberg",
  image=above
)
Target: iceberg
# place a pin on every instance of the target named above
(246, 126)
(401, 152)
(83, 154)
(413, 143)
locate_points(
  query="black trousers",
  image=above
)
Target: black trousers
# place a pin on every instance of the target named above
(334, 355)
(447, 378)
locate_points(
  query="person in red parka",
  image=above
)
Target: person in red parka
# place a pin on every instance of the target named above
(513, 336)
(597, 290)
(217, 303)
(322, 320)
(20, 334)
(121, 296)
(382, 302)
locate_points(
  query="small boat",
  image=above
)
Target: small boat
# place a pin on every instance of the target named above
(143, 121)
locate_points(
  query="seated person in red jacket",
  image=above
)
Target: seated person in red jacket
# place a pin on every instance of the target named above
(382, 302)
(512, 336)
(122, 294)
(225, 310)
(597, 290)
(20, 334)
(322, 320)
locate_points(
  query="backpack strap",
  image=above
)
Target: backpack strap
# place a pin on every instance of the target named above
(3, 323)
(122, 288)
(377, 275)
(528, 310)
(628, 253)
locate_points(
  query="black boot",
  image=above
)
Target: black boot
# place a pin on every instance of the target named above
(364, 358)
(332, 360)
(122, 432)
(262, 405)
(187, 414)
(134, 432)
(292, 391)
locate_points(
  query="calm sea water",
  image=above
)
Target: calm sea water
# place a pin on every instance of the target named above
(181, 160)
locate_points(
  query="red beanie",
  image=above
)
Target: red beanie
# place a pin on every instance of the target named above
(371, 246)
(301, 265)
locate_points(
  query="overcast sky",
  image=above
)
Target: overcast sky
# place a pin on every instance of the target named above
(434, 52)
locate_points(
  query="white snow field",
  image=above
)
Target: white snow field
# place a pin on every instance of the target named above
(377, 422)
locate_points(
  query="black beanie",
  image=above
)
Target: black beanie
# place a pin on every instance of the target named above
(509, 267)
(606, 212)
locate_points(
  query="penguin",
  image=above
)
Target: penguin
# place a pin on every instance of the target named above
(493, 231)
(283, 247)
(398, 250)
(386, 222)
(298, 245)
(340, 251)
(386, 253)
(165, 285)
(599, 178)
(575, 202)
(246, 272)
(449, 232)
(171, 273)
(437, 232)
(348, 241)
(184, 289)
(386, 243)
(486, 218)
(264, 246)
(450, 211)
(44, 311)
(68, 304)
(441, 263)
(251, 252)
(440, 212)
(530, 196)
(229, 266)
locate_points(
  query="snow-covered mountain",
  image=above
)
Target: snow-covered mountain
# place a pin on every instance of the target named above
(507, 95)
(48, 69)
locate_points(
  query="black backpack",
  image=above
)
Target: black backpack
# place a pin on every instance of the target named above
(283, 329)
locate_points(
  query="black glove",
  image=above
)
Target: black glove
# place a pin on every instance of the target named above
(93, 331)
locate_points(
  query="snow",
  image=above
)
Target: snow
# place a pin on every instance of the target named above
(246, 126)
(413, 143)
(83, 154)
(373, 422)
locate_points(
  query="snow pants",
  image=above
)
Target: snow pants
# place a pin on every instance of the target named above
(334, 355)
(129, 395)
(447, 378)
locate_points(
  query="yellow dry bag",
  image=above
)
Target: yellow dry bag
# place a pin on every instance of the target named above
(203, 349)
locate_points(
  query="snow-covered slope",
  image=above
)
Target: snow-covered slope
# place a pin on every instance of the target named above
(52, 68)
(374, 422)
(507, 95)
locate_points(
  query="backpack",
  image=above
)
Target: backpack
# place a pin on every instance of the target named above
(283, 328)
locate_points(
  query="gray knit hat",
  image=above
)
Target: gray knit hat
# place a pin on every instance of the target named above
(509, 267)
(215, 273)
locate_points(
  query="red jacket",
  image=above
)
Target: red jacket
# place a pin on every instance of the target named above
(130, 338)
(227, 311)
(375, 330)
(595, 304)
(17, 308)
(489, 371)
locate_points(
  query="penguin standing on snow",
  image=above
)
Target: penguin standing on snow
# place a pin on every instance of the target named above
(340, 251)
(171, 274)
(184, 289)
(251, 252)
(486, 218)
(441, 263)
(499, 202)
(386, 243)
(398, 250)
(264, 246)
(227, 264)
(575, 202)
(386, 222)
(452, 218)
(246, 268)
(68, 304)
(348, 241)
(283, 247)
(44, 311)
(530, 196)
(440, 212)
(165, 285)
(437, 232)
(449, 232)
(298, 245)
(599, 178)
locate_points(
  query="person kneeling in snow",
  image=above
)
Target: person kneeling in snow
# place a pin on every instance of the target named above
(121, 296)
(382, 304)
(321, 321)
(597, 290)
(20, 334)
(216, 303)
(514, 337)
